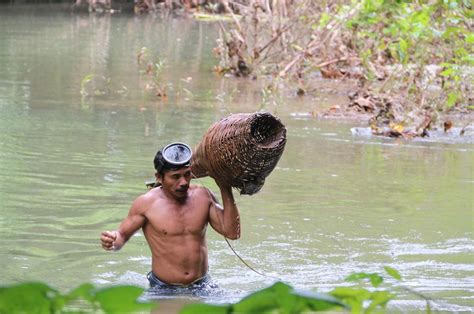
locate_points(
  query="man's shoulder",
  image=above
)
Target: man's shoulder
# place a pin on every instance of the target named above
(198, 189)
(150, 195)
(143, 201)
(201, 192)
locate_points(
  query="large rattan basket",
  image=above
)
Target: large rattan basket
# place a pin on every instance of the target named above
(241, 150)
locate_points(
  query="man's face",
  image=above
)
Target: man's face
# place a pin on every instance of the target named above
(176, 182)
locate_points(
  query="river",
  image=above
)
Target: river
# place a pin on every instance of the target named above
(80, 122)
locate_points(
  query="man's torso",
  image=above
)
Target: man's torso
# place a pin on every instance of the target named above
(176, 235)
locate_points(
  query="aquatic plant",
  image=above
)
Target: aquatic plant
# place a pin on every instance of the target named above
(85, 80)
(152, 69)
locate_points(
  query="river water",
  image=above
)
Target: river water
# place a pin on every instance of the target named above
(80, 123)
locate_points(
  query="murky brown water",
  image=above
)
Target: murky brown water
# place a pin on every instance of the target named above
(71, 163)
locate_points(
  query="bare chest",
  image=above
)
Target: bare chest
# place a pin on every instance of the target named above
(167, 220)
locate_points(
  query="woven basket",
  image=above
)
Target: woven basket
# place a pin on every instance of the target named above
(241, 150)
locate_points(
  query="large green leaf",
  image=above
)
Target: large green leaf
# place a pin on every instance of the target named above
(29, 297)
(85, 291)
(282, 298)
(121, 299)
(199, 308)
(278, 298)
(316, 301)
(264, 300)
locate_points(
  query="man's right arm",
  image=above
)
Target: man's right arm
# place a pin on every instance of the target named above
(226, 220)
(114, 240)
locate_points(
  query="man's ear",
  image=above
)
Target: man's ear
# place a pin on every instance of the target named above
(158, 177)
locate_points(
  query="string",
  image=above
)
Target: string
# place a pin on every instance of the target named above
(230, 246)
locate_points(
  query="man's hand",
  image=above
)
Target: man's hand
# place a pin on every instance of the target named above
(107, 239)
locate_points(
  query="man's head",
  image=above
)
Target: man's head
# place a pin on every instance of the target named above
(173, 168)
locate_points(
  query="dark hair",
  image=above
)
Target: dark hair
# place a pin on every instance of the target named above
(161, 165)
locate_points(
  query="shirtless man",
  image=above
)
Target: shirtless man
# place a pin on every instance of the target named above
(174, 219)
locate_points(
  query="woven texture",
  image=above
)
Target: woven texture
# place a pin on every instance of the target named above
(241, 150)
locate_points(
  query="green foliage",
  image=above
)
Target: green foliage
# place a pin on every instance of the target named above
(417, 34)
(36, 297)
(121, 299)
(374, 278)
(29, 297)
(279, 298)
(283, 299)
(355, 297)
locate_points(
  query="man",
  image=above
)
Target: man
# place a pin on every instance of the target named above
(174, 219)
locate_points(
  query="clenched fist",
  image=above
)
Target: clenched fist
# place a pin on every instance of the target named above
(107, 239)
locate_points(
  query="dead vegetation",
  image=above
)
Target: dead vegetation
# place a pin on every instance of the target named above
(411, 62)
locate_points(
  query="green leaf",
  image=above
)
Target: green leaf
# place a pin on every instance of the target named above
(85, 291)
(282, 298)
(452, 98)
(393, 272)
(374, 278)
(470, 38)
(265, 300)
(122, 299)
(379, 298)
(30, 297)
(403, 50)
(324, 20)
(316, 301)
(199, 308)
(469, 59)
(354, 297)
(447, 72)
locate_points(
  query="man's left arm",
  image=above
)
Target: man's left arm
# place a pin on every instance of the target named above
(225, 220)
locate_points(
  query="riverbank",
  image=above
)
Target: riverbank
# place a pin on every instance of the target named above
(411, 63)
